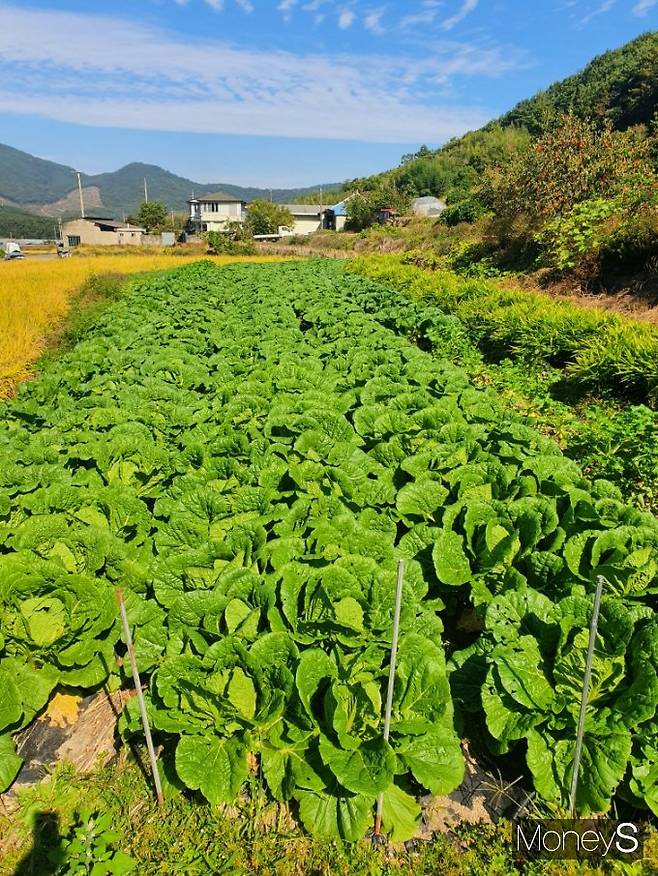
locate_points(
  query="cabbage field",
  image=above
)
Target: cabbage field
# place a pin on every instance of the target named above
(248, 452)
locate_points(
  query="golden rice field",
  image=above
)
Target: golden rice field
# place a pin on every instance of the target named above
(35, 296)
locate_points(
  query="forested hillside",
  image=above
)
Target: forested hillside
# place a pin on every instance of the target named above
(619, 87)
(18, 223)
(565, 181)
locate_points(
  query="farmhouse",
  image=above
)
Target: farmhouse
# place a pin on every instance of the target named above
(314, 217)
(214, 211)
(335, 217)
(101, 232)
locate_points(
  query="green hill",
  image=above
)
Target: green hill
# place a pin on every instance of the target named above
(28, 181)
(19, 223)
(620, 86)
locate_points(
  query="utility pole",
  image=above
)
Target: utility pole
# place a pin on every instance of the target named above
(146, 192)
(82, 202)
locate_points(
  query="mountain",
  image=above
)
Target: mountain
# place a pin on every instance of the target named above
(620, 87)
(50, 189)
(18, 223)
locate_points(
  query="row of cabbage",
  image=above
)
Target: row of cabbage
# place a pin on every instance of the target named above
(248, 452)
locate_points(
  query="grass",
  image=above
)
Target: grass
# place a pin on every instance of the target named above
(255, 837)
(36, 296)
(591, 421)
(597, 351)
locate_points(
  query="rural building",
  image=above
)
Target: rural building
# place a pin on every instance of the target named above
(428, 206)
(335, 217)
(308, 218)
(314, 217)
(101, 232)
(214, 211)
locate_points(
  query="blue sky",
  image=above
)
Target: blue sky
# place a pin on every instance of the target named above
(282, 92)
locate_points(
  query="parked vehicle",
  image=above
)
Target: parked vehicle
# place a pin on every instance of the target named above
(13, 250)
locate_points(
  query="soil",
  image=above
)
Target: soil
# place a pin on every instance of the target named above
(82, 732)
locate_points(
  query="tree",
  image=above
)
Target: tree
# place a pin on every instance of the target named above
(152, 215)
(574, 162)
(423, 152)
(360, 212)
(235, 239)
(362, 208)
(264, 217)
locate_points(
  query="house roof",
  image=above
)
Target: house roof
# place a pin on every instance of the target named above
(340, 209)
(218, 196)
(304, 209)
(111, 223)
(118, 226)
(107, 223)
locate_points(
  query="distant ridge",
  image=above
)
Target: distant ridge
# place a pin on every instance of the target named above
(49, 189)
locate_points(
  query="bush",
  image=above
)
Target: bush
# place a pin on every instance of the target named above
(235, 240)
(362, 207)
(575, 162)
(570, 238)
(264, 217)
(468, 210)
(635, 240)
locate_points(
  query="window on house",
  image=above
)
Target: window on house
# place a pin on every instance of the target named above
(73, 239)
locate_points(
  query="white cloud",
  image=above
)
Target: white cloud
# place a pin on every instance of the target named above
(346, 19)
(644, 7)
(217, 5)
(373, 22)
(426, 14)
(466, 9)
(246, 5)
(111, 72)
(605, 7)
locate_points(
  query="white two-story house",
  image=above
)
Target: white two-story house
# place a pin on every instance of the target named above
(214, 211)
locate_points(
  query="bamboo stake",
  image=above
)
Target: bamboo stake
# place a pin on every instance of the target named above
(585, 694)
(391, 681)
(140, 696)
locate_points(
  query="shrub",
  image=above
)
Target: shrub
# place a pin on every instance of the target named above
(623, 448)
(264, 217)
(575, 162)
(469, 210)
(235, 240)
(636, 239)
(568, 239)
(362, 207)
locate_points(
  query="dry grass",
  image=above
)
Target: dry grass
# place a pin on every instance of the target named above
(35, 297)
